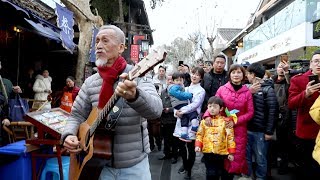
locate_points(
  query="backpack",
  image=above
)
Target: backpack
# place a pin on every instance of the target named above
(282, 94)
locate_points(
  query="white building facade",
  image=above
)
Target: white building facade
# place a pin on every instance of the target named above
(288, 31)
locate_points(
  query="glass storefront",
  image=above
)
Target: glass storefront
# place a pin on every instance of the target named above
(313, 10)
(294, 14)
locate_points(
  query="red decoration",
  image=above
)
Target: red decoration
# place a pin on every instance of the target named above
(136, 39)
(134, 54)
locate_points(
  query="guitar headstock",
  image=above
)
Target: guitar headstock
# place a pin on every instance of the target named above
(147, 63)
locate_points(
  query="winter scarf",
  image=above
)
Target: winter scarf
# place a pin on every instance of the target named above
(109, 76)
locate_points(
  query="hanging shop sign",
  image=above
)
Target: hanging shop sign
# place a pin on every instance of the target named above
(92, 52)
(65, 23)
(134, 52)
(138, 38)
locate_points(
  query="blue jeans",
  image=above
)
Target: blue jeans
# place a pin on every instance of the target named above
(137, 172)
(257, 147)
(186, 118)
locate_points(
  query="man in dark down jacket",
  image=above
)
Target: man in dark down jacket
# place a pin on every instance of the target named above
(286, 123)
(168, 123)
(261, 127)
(138, 101)
(214, 79)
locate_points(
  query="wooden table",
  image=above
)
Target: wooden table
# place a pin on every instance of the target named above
(49, 124)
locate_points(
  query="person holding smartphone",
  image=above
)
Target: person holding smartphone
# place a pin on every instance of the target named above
(285, 126)
(302, 95)
(314, 78)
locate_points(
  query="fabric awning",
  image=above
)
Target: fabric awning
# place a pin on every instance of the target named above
(36, 24)
(43, 30)
(16, 7)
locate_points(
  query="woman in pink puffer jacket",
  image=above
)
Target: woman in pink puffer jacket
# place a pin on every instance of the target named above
(237, 96)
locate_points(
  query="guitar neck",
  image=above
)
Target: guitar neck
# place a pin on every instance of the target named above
(104, 112)
(139, 70)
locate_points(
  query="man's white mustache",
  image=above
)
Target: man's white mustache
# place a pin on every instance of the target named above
(100, 51)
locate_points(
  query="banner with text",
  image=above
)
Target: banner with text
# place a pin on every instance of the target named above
(65, 23)
(134, 53)
(92, 52)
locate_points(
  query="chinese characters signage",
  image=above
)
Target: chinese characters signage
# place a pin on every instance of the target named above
(135, 53)
(92, 53)
(139, 48)
(65, 23)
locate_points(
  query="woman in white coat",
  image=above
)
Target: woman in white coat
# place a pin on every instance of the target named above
(42, 89)
(187, 148)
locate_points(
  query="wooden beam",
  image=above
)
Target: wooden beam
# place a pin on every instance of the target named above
(265, 7)
(132, 24)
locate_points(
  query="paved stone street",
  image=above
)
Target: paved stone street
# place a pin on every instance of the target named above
(164, 170)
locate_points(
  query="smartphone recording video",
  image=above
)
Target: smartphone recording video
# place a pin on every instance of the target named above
(180, 63)
(315, 78)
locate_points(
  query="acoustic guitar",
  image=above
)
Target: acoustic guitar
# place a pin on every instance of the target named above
(97, 146)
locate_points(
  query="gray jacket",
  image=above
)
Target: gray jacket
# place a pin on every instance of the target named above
(131, 142)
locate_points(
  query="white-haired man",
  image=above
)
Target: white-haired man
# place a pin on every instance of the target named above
(141, 102)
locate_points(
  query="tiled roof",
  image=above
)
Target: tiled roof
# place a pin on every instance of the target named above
(37, 7)
(228, 33)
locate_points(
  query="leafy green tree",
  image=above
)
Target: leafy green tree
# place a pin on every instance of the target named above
(109, 10)
(309, 52)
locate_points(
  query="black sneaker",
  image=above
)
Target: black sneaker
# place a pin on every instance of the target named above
(181, 170)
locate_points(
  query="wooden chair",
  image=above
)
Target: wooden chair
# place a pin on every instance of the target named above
(56, 98)
(19, 130)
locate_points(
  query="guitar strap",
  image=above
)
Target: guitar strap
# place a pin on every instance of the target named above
(111, 121)
(117, 109)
